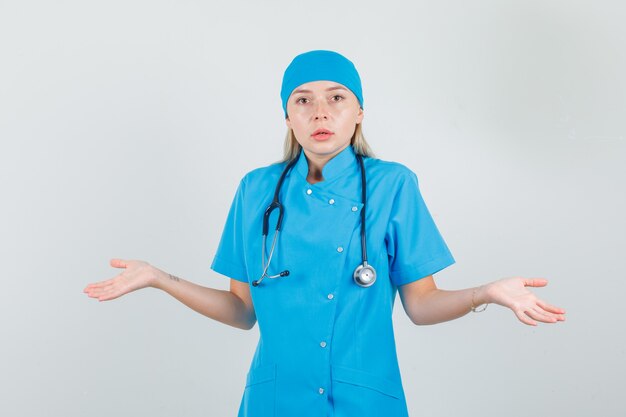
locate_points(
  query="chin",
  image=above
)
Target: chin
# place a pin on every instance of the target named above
(324, 147)
(328, 144)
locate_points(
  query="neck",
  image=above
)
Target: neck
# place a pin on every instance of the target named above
(316, 164)
(315, 169)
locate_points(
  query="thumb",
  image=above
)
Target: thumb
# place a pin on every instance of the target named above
(118, 263)
(535, 282)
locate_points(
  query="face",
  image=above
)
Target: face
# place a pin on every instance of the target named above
(323, 105)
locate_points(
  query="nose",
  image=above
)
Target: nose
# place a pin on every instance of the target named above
(321, 110)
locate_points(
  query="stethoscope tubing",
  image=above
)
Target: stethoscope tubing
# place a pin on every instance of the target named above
(364, 275)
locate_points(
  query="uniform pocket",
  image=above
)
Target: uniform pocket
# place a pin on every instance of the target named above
(259, 397)
(361, 393)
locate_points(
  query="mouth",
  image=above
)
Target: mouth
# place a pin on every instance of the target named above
(322, 134)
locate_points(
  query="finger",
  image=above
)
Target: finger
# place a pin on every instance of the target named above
(96, 292)
(111, 294)
(89, 290)
(540, 315)
(524, 318)
(91, 294)
(97, 285)
(108, 297)
(100, 289)
(119, 263)
(556, 316)
(550, 307)
(535, 282)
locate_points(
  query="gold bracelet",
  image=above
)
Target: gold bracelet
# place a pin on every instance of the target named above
(474, 308)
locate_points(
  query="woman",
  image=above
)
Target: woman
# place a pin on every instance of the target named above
(354, 232)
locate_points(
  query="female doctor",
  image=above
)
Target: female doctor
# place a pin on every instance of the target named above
(316, 248)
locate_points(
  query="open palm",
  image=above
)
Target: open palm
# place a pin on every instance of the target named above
(514, 294)
(136, 275)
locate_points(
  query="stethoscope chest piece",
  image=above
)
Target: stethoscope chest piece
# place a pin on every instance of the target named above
(364, 275)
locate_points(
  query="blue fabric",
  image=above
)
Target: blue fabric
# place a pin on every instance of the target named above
(318, 329)
(320, 65)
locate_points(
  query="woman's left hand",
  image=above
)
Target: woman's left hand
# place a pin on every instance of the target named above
(512, 293)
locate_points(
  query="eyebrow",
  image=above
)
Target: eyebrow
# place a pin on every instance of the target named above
(302, 90)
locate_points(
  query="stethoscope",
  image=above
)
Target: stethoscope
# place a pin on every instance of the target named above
(364, 275)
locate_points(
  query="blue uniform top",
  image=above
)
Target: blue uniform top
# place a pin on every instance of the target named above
(326, 345)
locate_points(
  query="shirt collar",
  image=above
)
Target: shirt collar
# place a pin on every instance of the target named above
(346, 159)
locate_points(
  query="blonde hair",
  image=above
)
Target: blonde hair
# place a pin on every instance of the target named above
(361, 147)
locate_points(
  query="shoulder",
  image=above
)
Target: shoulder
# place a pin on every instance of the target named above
(388, 173)
(262, 177)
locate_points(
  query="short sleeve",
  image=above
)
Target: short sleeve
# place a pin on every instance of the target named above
(229, 259)
(415, 247)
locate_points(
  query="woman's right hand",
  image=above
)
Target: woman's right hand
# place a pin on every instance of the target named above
(136, 275)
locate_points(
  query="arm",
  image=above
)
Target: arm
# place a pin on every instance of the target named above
(232, 307)
(424, 303)
(229, 307)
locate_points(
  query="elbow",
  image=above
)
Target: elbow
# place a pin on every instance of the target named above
(249, 325)
(414, 316)
(421, 323)
(248, 322)
(243, 325)
(418, 319)
(420, 306)
(423, 319)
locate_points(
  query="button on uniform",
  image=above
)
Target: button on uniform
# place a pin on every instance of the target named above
(331, 201)
(330, 296)
(323, 344)
(321, 390)
(340, 249)
(309, 191)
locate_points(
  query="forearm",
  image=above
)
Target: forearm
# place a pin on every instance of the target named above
(220, 305)
(443, 305)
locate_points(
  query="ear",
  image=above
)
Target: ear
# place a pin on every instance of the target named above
(359, 116)
(288, 122)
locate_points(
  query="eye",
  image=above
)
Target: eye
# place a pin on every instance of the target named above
(301, 98)
(340, 97)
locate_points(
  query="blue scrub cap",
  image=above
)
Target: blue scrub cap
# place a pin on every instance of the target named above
(320, 65)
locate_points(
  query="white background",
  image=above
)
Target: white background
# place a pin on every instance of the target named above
(125, 127)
